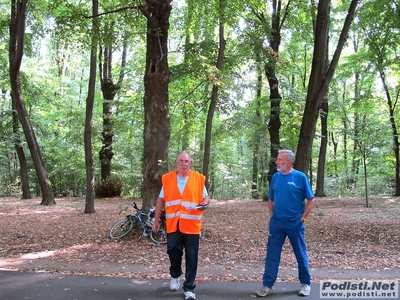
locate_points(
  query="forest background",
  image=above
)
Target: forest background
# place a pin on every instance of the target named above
(114, 90)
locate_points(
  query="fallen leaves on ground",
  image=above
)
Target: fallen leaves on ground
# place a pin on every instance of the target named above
(340, 232)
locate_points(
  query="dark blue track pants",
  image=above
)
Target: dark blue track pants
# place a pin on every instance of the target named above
(176, 242)
(278, 231)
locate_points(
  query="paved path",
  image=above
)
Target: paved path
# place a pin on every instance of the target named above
(26, 286)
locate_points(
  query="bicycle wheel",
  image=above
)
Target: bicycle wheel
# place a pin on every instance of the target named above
(122, 228)
(159, 237)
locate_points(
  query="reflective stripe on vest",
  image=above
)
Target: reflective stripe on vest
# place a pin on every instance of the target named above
(177, 203)
(191, 217)
(171, 216)
(173, 202)
(188, 204)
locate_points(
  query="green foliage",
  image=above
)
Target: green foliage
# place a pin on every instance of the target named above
(109, 187)
(54, 78)
(122, 210)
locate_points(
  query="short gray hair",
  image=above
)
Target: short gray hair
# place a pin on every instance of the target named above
(289, 154)
(186, 152)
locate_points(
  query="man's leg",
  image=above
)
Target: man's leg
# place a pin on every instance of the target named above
(297, 240)
(191, 242)
(276, 240)
(175, 252)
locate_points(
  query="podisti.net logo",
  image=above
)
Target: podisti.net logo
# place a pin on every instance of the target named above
(364, 289)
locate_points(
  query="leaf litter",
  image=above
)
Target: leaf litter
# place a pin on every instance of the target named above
(341, 234)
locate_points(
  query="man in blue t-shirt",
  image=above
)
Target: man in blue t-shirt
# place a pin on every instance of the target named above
(288, 210)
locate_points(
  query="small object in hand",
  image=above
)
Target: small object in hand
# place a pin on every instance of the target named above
(205, 205)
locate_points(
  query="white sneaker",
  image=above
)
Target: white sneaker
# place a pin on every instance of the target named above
(175, 284)
(265, 291)
(189, 295)
(305, 290)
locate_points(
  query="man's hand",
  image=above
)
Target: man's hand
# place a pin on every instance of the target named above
(156, 226)
(202, 206)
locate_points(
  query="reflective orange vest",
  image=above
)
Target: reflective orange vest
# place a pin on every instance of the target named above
(176, 203)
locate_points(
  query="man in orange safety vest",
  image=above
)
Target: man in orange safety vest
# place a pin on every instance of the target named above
(184, 197)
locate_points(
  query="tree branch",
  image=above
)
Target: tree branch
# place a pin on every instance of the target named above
(114, 11)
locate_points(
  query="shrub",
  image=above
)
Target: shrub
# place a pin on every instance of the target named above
(109, 187)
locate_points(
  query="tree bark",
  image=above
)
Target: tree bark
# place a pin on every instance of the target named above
(319, 189)
(323, 112)
(318, 86)
(259, 124)
(157, 128)
(213, 103)
(395, 135)
(274, 124)
(356, 123)
(23, 165)
(17, 41)
(275, 97)
(89, 201)
(109, 90)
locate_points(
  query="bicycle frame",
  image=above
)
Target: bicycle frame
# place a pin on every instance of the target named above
(139, 214)
(123, 227)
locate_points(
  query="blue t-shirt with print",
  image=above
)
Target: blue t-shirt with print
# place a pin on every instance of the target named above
(288, 192)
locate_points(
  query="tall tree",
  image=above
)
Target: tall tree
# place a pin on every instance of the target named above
(356, 121)
(256, 141)
(274, 41)
(214, 92)
(383, 44)
(391, 102)
(275, 97)
(318, 86)
(16, 50)
(109, 89)
(157, 127)
(89, 204)
(256, 30)
(324, 111)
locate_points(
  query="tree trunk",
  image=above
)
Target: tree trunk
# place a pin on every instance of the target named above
(185, 132)
(89, 202)
(264, 177)
(157, 128)
(319, 190)
(213, 104)
(318, 85)
(259, 125)
(335, 148)
(26, 191)
(355, 161)
(274, 124)
(17, 36)
(323, 112)
(395, 135)
(106, 152)
(109, 90)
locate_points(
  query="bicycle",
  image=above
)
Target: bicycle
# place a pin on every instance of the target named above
(145, 220)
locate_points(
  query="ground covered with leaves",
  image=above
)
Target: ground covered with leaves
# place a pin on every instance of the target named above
(345, 239)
